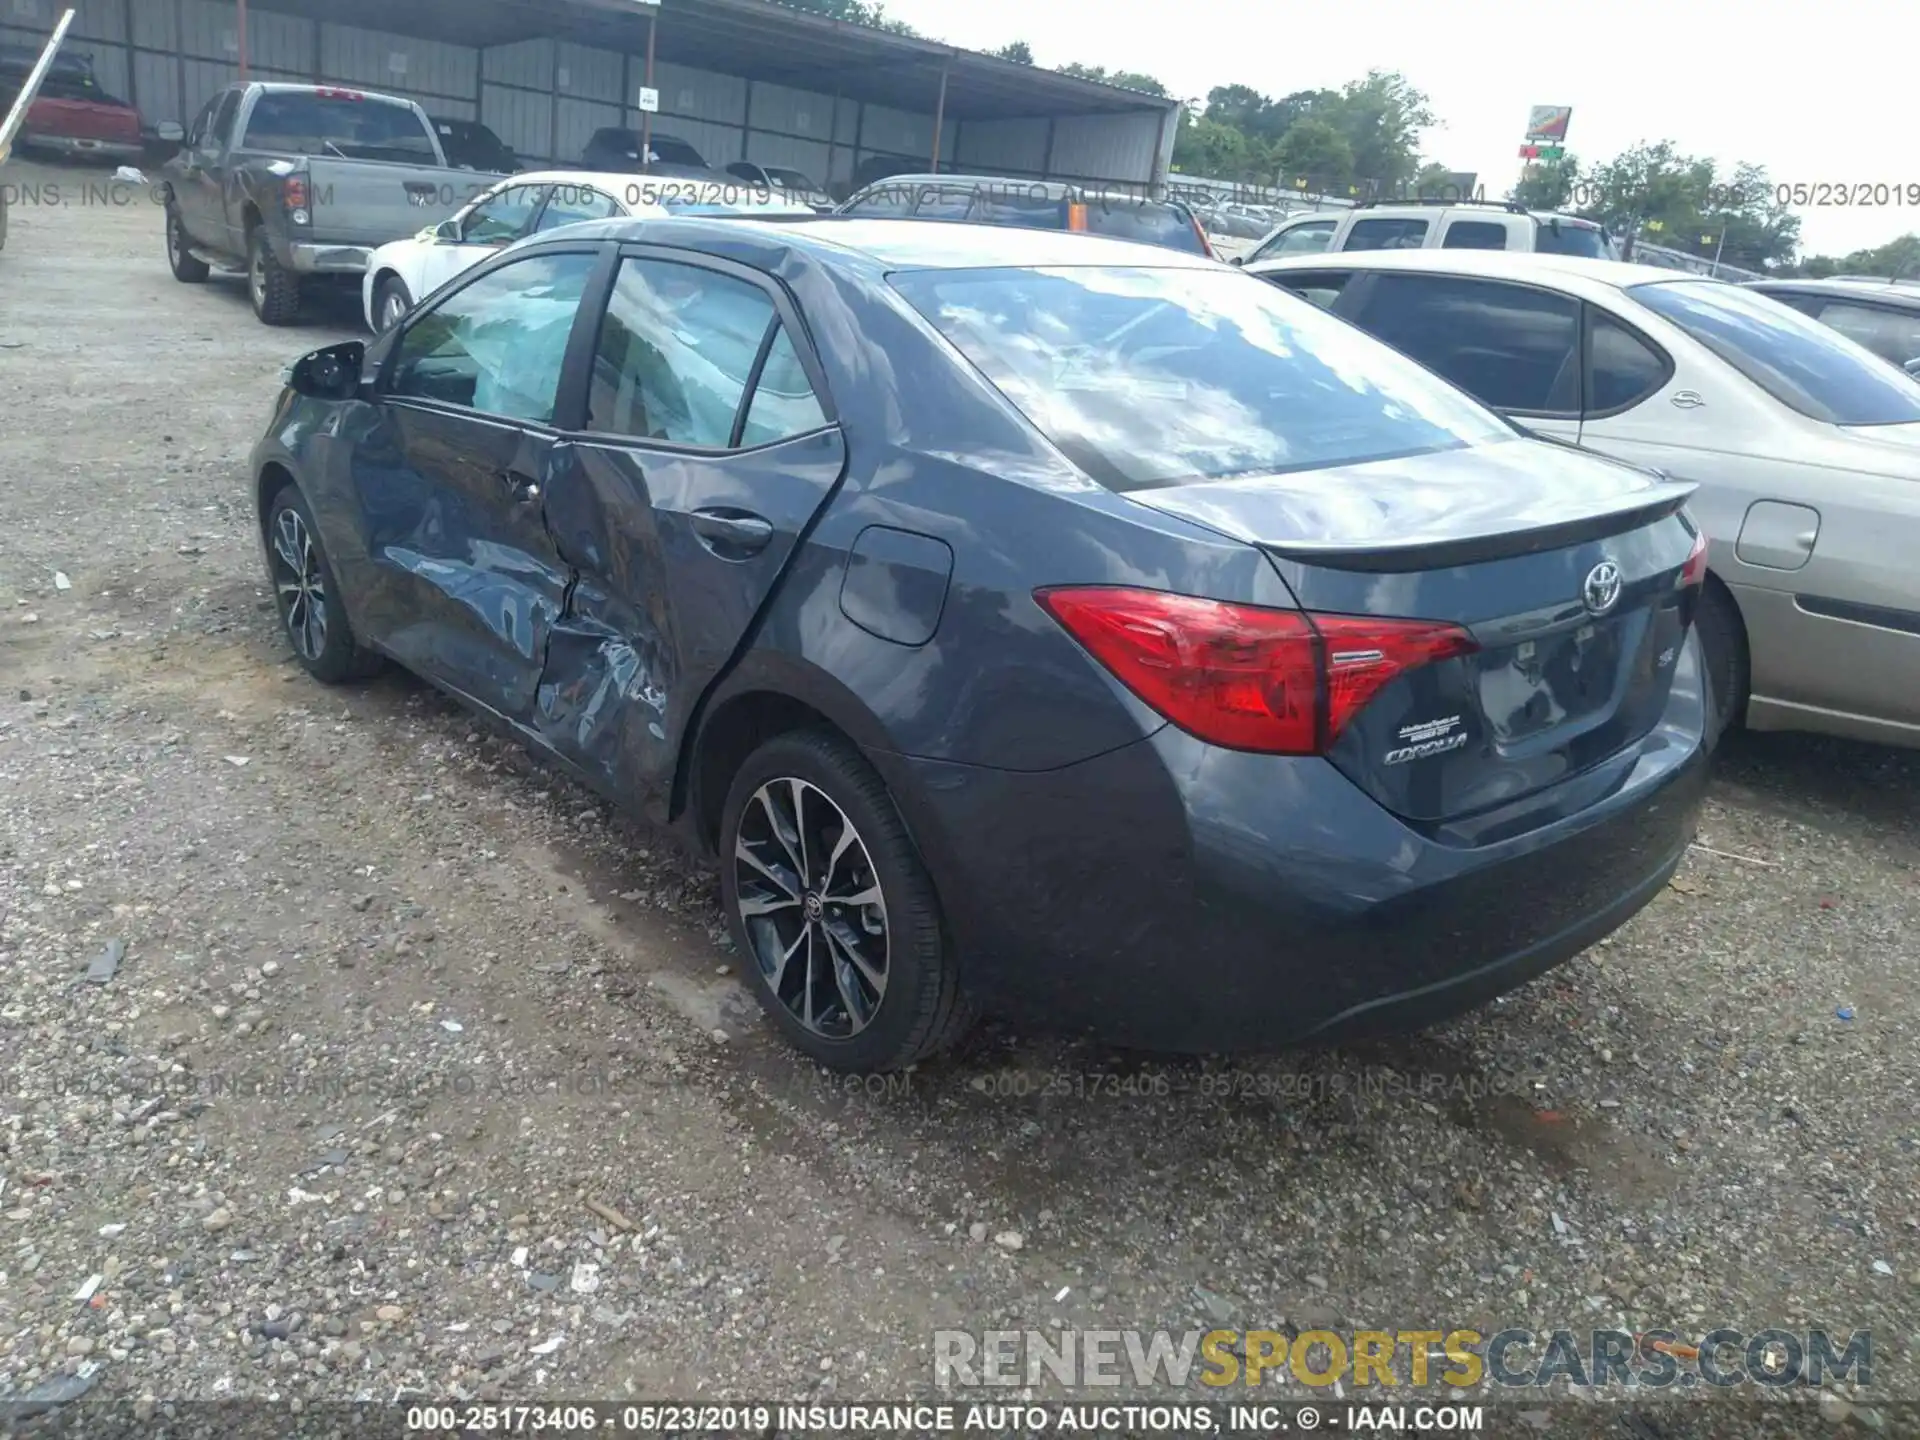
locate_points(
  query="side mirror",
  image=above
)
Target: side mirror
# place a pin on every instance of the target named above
(1913, 367)
(330, 374)
(447, 231)
(170, 131)
(1237, 261)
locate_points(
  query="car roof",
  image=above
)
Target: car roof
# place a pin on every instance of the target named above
(910, 244)
(1495, 264)
(1906, 297)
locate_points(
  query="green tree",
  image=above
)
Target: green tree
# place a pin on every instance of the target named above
(1017, 52)
(1206, 148)
(1548, 185)
(858, 12)
(1382, 118)
(1897, 260)
(1313, 156)
(1240, 106)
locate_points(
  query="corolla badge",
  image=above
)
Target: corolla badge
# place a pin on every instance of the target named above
(1601, 589)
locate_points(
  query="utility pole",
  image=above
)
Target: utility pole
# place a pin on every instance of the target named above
(240, 38)
(646, 116)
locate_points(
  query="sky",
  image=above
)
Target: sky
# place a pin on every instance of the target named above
(1729, 81)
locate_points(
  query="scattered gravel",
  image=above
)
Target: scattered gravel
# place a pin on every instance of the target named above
(420, 1073)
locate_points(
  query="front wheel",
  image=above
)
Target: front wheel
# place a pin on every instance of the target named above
(274, 289)
(390, 302)
(308, 597)
(186, 269)
(830, 903)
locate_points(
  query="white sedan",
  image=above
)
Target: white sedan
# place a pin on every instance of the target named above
(407, 271)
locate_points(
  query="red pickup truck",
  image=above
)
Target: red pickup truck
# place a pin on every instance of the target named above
(72, 115)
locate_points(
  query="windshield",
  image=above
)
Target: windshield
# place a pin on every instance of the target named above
(1564, 237)
(792, 180)
(1147, 377)
(354, 128)
(669, 151)
(1800, 362)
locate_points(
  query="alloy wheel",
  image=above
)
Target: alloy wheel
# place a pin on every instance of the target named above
(300, 585)
(257, 275)
(173, 239)
(392, 308)
(811, 907)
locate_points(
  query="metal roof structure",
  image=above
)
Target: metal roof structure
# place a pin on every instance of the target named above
(769, 41)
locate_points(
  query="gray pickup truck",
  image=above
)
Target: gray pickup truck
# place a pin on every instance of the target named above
(292, 183)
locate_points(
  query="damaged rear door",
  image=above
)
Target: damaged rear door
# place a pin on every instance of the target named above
(709, 445)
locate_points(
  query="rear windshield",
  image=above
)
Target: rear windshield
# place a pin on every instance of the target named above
(302, 123)
(1797, 360)
(1563, 237)
(1148, 377)
(1145, 221)
(669, 151)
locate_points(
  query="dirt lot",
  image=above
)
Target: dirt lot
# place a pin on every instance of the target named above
(396, 1004)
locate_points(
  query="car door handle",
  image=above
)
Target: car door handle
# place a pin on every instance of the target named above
(524, 488)
(732, 536)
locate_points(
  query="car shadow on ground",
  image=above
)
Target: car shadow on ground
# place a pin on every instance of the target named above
(1840, 781)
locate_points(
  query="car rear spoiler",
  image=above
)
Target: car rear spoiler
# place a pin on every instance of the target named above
(17, 116)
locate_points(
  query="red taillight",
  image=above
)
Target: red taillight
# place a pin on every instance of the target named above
(1694, 572)
(329, 92)
(1241, 676)
(294, 190)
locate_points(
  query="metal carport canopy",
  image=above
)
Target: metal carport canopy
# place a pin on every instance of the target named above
(759, 40)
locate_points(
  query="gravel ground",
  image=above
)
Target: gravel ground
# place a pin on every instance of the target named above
(423, 1073)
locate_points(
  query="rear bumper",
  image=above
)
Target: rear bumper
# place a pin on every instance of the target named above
(312, 259)
(77, 146)
(1177, 897)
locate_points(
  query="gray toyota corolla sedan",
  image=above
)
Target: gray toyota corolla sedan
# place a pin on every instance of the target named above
(1025, 620)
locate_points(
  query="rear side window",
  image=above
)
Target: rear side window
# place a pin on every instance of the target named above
(1146, 222)
(1322, 287)
(1508, 346)
(1800, 362)
(1622, 368)
(1405, 233)
(502, 217)
(783, 401)
(1475, 235)
(1564, 237)
(676, 353)
(1147, 377)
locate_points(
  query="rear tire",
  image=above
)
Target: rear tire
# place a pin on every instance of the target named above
(273, 289)
(1723, 641)
(811, 957)
(186, 269)
(307, 596)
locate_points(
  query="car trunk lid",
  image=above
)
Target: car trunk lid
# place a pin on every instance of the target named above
(1574, 578)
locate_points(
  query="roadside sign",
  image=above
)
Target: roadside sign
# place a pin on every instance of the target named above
(1549, 123)
(649, 100)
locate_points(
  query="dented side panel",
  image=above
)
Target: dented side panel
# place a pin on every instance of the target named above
(673, 556)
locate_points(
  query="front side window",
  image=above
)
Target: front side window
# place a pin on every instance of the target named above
(1148, 377)
(1306, 239)
(1891, 334)
(676, 353)
(1406, 233)
(498, 344)
(221, 130)
(1798, 361)
(944, 202)
(572, 204)
(503, 216)
(1508, 346)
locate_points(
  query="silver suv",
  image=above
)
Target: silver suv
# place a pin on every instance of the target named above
(1436, 225)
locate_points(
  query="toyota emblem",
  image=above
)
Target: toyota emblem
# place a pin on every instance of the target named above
(1601, 590)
